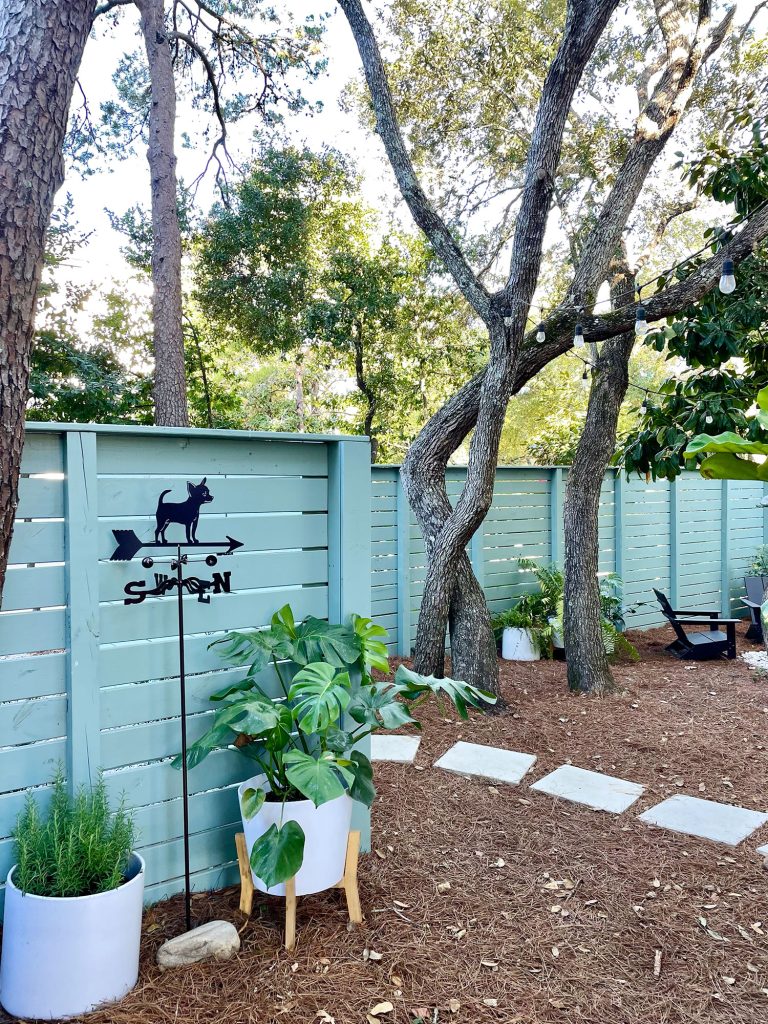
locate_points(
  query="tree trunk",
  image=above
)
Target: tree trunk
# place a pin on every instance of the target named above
(170, 390)
(298, 391)
(367, 393)
(588, 668)
(41, 45)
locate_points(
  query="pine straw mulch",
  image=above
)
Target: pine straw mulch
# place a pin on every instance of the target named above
(505, 943)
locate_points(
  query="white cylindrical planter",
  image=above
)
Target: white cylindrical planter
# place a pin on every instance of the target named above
(326, 829)
(66, 955)
(517, 645)
(557, 636)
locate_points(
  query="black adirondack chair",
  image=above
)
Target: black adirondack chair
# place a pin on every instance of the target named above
(698, 646)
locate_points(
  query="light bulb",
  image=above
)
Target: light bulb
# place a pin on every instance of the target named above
(727, 278)
(585, 380)
(708, 419)
(641, 324)
(578, 338)
(541, 336)
(644, 408)
(507, 321)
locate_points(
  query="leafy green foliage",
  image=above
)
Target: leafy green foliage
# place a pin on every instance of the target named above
(727, 456)
(759, 564)
(297, 267)
(278, 854)
(722, 339)
(79, 849)
(301, 741)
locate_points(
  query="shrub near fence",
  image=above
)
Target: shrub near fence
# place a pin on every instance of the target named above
(90, 682)
(693, 539)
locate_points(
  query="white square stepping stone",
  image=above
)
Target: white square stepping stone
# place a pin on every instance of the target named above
(601, 792)
(487, 762)
(723, 823)
(394, 748)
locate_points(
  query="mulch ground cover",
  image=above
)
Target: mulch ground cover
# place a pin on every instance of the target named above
(491, 903)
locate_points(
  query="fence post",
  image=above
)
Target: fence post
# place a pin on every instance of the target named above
(674, 541)
(82, 576)
(403, 519)
(349, 556)
(725, 550)
(618, 520)
(556, 516)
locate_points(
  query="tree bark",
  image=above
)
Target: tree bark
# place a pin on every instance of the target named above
(588, 668)
(481, 403)
(170, 391)
(41, 46)
(366, 391)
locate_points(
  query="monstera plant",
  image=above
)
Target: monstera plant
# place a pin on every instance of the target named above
(306, 700)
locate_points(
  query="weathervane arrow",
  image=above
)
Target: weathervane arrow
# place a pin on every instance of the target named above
(128, 544)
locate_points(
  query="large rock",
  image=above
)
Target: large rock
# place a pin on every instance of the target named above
(217, 940)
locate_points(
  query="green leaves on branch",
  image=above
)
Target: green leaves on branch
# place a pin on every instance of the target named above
(729, 453)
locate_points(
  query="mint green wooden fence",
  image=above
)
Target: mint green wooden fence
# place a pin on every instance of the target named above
(693, 539)
(88, 682)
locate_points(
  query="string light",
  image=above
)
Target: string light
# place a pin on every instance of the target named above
(585, 379)
(578, 337)
(708, 419)
(727, 278)
(541, 335)
(644, 405)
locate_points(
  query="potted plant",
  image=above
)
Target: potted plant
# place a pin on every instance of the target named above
(524, 630)
(296, 808)
(73, 904)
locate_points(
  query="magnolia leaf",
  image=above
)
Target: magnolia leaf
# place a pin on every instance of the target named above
(277, 855)
(251, 802)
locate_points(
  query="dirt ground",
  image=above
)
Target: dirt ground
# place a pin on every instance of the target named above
(554, 913)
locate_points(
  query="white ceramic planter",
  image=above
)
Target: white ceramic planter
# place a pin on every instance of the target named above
(557, 637)
(63, 956)
(326, 829)
(517, 645)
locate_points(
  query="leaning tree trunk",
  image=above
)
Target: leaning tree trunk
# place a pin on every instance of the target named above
(170, 389)
(41, 45)
(588, 668)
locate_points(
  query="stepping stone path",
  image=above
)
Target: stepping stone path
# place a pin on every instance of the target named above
(487, 762)
(601, 792)
(401, 749)
(707, 819)
(723, 823)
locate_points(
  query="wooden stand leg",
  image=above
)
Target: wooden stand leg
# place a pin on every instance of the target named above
(246, 880)
(349, 881)
(290, 913)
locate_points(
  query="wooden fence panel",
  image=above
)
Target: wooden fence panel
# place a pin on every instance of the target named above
(89, 683)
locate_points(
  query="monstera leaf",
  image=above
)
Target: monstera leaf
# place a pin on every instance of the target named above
(321, 694)
(316, 640)
(412, 686)
(374, 651)
(319, 779)
(362, 788)
(277, 855)
(377, 706)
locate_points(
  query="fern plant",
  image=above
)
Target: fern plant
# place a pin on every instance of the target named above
(79, 848)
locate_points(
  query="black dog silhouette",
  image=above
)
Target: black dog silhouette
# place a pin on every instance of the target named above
(185, 512)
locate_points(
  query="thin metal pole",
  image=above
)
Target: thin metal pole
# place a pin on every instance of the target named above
(183, 695)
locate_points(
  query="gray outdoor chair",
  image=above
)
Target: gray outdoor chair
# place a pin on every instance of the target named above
(755, 588)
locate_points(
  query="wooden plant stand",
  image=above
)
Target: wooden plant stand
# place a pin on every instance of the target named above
(348, 883)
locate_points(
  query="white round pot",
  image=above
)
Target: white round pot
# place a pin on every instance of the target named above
(517, 645)
(557, 637)
(326, 829)
(66, 955)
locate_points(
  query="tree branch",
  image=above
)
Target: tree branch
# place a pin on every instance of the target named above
(108, 6)
(422, 210)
